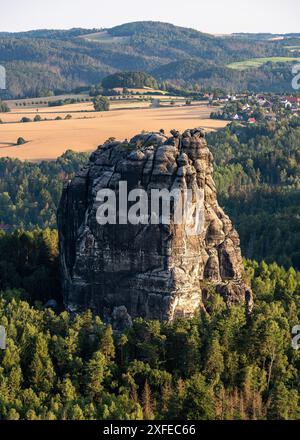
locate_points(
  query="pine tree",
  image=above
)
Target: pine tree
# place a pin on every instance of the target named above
(198, 402)
(42, 374)
(107, 345)
(284, 404)
(147, 403)
(166, 397)
(214, 365)
(94, 374)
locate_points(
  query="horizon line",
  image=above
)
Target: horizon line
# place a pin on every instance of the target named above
(217, 34)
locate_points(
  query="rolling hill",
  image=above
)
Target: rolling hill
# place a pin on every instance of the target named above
(55, 60)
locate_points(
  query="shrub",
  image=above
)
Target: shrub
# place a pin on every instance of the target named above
(4, 107)
(101, 103)
(21, 141)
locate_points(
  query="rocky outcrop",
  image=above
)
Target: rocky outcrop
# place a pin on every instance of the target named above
(155, 271)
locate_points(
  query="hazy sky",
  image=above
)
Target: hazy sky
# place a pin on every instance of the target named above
(214, 16)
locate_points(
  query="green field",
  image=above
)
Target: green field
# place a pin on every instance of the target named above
(254, 63)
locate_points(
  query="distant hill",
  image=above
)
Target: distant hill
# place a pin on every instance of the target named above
(266, 36)
(60, 60)
(51, 34)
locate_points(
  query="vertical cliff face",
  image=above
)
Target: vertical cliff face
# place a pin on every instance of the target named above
(156, 271)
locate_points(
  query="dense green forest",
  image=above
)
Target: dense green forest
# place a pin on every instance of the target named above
(270, 77)
(29, 260)
(40, 62)
(30, 192)
(258, 178)
(220, 365)
(129, 79)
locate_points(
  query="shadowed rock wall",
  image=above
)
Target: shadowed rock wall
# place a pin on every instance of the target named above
(155, 271)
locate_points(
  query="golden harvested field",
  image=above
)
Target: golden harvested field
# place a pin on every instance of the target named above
(78, 111)
(86, 130)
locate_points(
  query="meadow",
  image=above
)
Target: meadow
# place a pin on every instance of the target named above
(254, 63)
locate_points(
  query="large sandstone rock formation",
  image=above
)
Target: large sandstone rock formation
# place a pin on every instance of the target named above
(154, 271)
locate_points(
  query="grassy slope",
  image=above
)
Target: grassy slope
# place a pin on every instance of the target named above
(257, 62)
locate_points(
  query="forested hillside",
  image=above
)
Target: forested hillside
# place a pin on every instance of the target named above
(44, 61)
(270, 77)
(216, 366)
(258, 178)
(30, 192)
(220, 365)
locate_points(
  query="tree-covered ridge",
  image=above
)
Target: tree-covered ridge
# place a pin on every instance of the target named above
(130, 80)
(265, 144)
(160, 39)
(41, 61)
(30, 192)
(29, 260)
(51, 34)
(270, 77)
(220, 365)
(258, 178)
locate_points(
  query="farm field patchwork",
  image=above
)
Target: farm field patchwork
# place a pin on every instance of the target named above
(87, 129)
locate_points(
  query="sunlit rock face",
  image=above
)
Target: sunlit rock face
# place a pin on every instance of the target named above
(154, 271)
